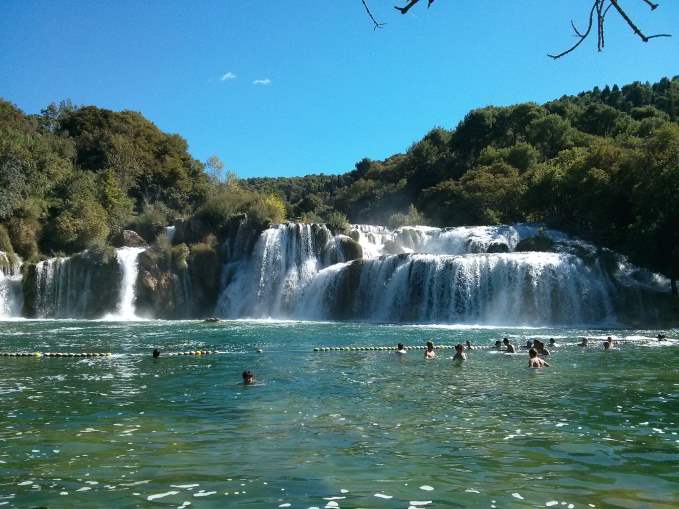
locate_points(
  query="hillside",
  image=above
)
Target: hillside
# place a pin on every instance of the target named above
(603, 165)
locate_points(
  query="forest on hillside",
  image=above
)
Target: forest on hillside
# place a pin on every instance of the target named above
(603, 165)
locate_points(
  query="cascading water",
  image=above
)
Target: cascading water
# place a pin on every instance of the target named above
(62, 288)
(421, 274)
(11, 297)
(285, 259)
(128, 261)
(516, 288)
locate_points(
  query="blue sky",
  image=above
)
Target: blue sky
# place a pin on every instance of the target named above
(331, 90)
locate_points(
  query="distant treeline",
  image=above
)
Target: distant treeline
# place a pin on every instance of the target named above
(603, 165)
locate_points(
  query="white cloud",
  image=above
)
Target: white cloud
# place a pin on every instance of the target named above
(265, 81)
(228, 76)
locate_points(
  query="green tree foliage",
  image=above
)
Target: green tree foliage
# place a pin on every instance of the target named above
(337, 222)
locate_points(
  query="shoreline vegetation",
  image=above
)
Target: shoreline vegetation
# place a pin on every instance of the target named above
(602, 165)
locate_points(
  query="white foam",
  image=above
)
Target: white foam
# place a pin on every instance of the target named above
(161, 495)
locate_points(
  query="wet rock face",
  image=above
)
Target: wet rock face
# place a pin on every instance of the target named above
(498, 247)
(155, 288)
(129, 238)
(179, 283)
(351, 249)
(538, 243)
(204, 269)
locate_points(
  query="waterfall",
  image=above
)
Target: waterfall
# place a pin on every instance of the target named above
(426, 274)
(128, 261)
(379, 240)
(170, 233)
(11, 295)
(499, 289)
(285, 258)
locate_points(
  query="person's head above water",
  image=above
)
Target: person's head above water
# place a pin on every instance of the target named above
(400, 346)
(607, 345)
(529, 343)
(459, 347)
(498, 343)
(156, 352)
(468, 343)
(430, 345)
(532, 353)
(505, 341)
(248, 377)
(552, 341)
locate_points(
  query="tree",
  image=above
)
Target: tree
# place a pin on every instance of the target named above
(215, 168)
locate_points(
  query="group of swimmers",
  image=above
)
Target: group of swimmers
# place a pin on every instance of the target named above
(536, 349)
(536, 352)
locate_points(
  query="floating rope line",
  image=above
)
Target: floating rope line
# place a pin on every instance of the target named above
(55, 354)
(194, 352)
(591, 344)
(101, 354)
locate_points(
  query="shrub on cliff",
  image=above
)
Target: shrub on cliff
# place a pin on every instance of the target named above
(5, 243)
(266, 210)
(151, 222)
(338, 223)
(412, 218)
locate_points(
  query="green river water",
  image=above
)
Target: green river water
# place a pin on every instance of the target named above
(333, 429)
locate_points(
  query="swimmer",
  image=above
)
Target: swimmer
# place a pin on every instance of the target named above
(400, 348)
(534, 361)
(540, 347)
(498, 345)
(510, 348)
(552, 343)
(469, 346)
(584, 342)
(459, 353)
(607, 345)
(156, 353)
(248, 377)
(662, 337)
(429, 353)
(529, 345)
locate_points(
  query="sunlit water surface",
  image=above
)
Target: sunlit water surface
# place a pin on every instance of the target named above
(332, 429)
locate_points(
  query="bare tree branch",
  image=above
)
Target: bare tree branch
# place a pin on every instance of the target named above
(624, 15)
(601, 8)
(376, 24)
(582, 36)
(411, 3)
(404, 10)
